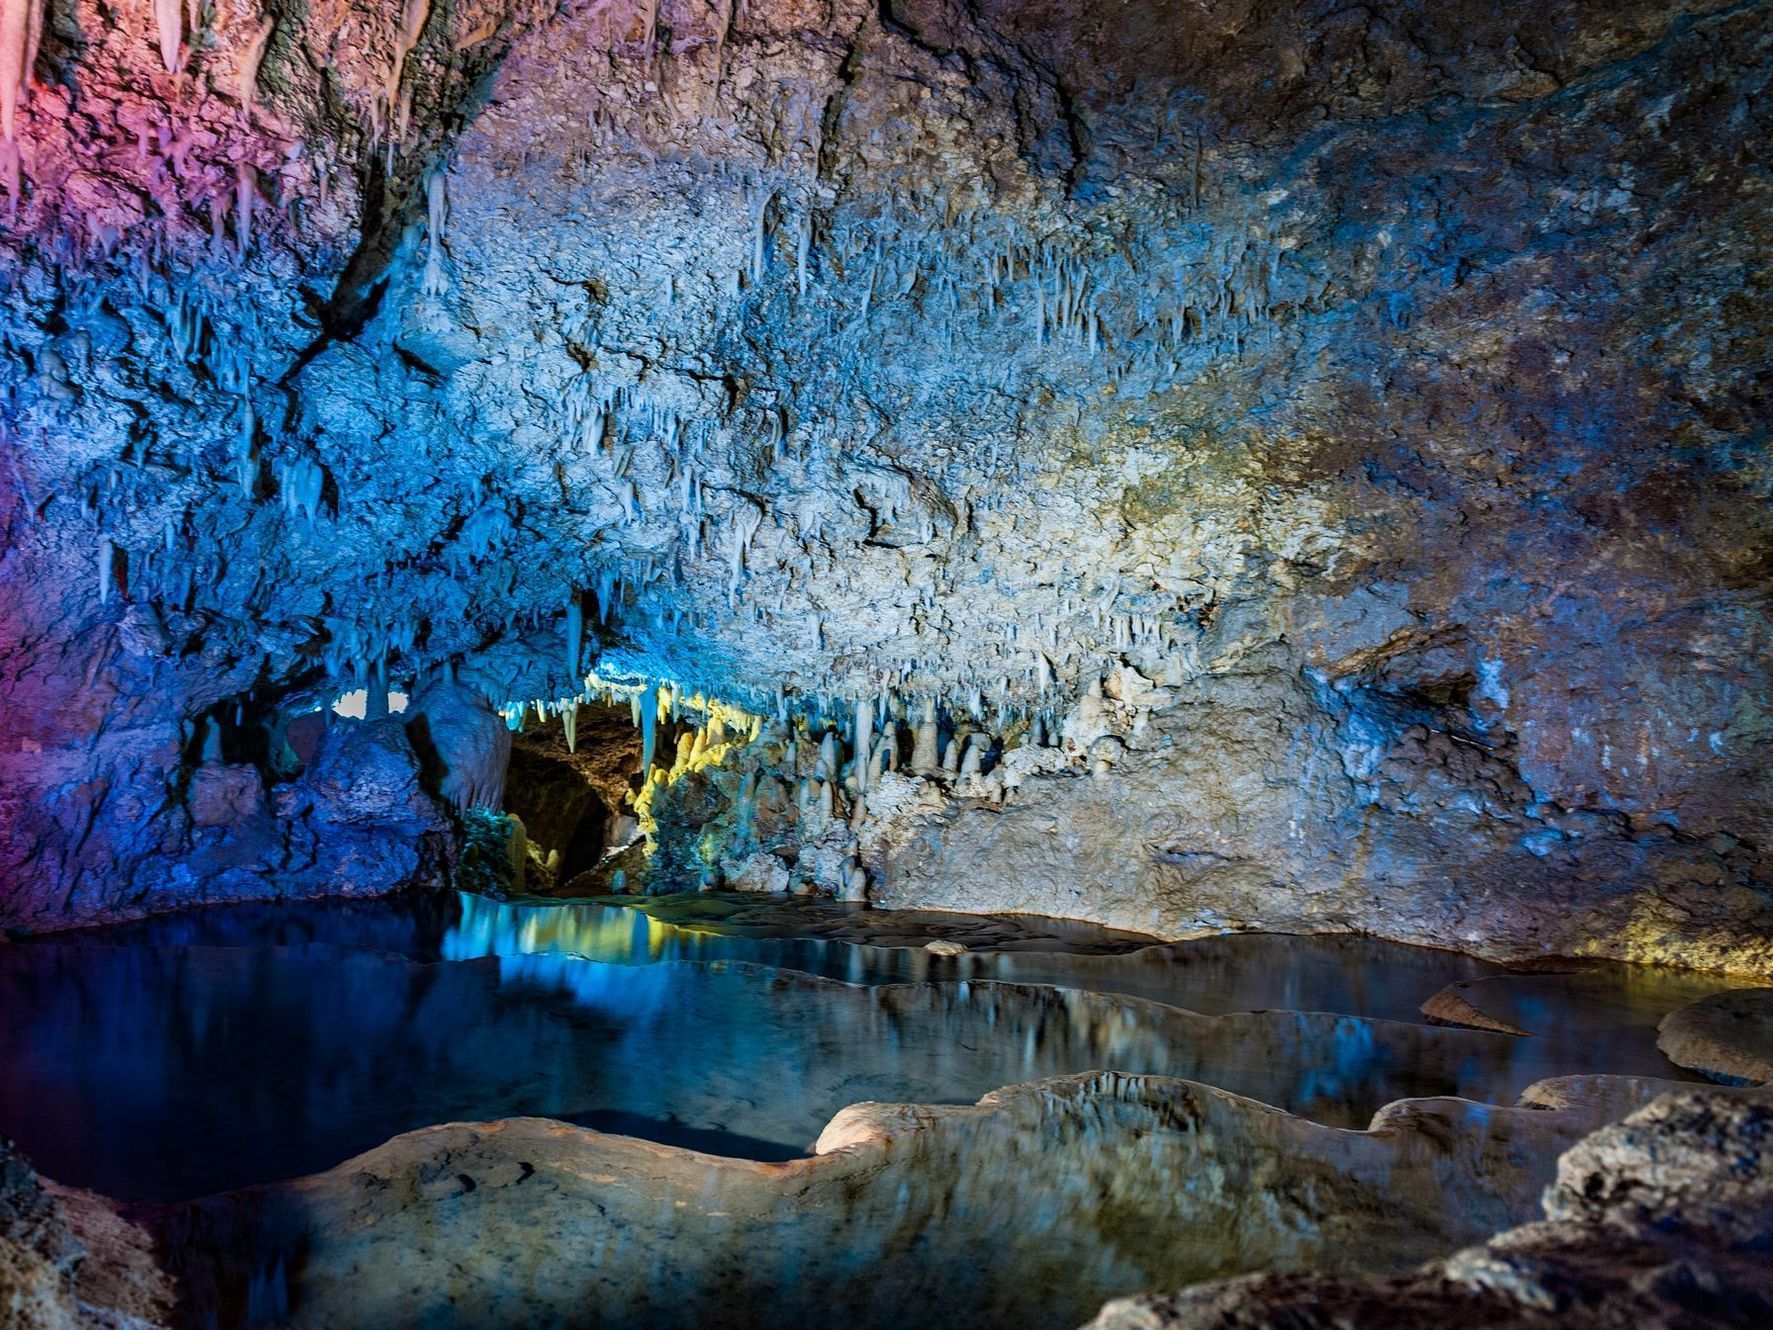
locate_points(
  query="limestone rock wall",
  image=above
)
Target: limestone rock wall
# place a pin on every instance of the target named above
(1378, 395)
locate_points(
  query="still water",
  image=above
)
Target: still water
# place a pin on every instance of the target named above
(223, 1047)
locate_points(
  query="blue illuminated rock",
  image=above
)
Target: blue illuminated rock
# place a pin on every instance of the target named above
(1334, 433)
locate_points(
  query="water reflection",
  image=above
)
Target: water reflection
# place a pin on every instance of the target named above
(218, 1049)
(1351, 975)
(1249, 972)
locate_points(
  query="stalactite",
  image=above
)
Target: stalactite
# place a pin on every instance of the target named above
(246, 187)
(412, 24)
(248, 462)
(575, 634)
(435, 282)
(247, 83)
(21, 25)
(759, 223)
(169, 25)
(803, 244)
(649, 725)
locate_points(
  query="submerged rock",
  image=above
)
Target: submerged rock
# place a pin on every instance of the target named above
(1451, 1007)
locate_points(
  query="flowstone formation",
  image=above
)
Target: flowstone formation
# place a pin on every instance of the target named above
(1253, 465)
(1020, 1210)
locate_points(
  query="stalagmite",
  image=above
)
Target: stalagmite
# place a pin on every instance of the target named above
(855, 881)
(519, 848)
(925, 760)
(168, 24)
(864, 740)
(747, 809)
(972, 762)
(375, 703)
(211, 751)
(569, 724)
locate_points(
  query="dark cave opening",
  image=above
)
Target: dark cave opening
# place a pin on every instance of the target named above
(573, 799)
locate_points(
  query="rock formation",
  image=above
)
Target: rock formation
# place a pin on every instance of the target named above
(1662, 1220)
(1014, 1211)
(1325, 444)
(69, 1261)
(1728, 1036)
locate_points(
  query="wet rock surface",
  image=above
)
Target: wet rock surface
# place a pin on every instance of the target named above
(1660, 1221)
(1074, 1187)
(1082, 1188)
(1727, 1036)
(1545, 1000)
(760, 915)
(38, 1254)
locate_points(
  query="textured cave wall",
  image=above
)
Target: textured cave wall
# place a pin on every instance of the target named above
(1376, 397)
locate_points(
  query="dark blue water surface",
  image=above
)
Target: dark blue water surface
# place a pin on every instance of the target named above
(222, 1047)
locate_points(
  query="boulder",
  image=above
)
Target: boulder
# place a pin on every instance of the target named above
(1727, 1036)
